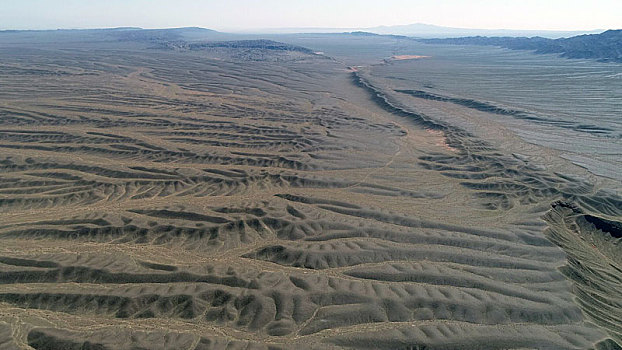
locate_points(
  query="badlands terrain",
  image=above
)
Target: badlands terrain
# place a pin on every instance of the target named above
(156, 194)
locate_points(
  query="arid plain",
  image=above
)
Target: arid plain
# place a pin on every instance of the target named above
(257, 196)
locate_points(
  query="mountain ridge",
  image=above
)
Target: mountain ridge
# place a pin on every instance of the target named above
(604, 47)
(423, 30)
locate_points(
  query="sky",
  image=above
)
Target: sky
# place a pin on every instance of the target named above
(236, 15)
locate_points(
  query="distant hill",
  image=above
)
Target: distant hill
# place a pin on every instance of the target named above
(69, 30)
(431, 31)
(77, 37)
(421, 30)
(605, 47)
(234, 44)
(188, 33)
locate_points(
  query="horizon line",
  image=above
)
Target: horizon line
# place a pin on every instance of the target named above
(259, 29)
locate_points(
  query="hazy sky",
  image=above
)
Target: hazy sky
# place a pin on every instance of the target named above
(247, 14)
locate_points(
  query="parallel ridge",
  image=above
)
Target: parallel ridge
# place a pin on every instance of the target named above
(593, 263)
(170, 200)
(502, 183)
(30, 184)
(379, 268)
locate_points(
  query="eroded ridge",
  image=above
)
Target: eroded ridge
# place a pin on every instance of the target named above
(172, 199)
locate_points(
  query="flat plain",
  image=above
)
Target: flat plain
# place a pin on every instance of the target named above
(263, 196)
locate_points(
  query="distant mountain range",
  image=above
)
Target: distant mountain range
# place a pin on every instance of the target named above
(421, 30)
(431, 31)
(605, 47)
(418, 30)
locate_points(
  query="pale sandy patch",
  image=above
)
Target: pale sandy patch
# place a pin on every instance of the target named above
(440, 139)
(408, 57)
